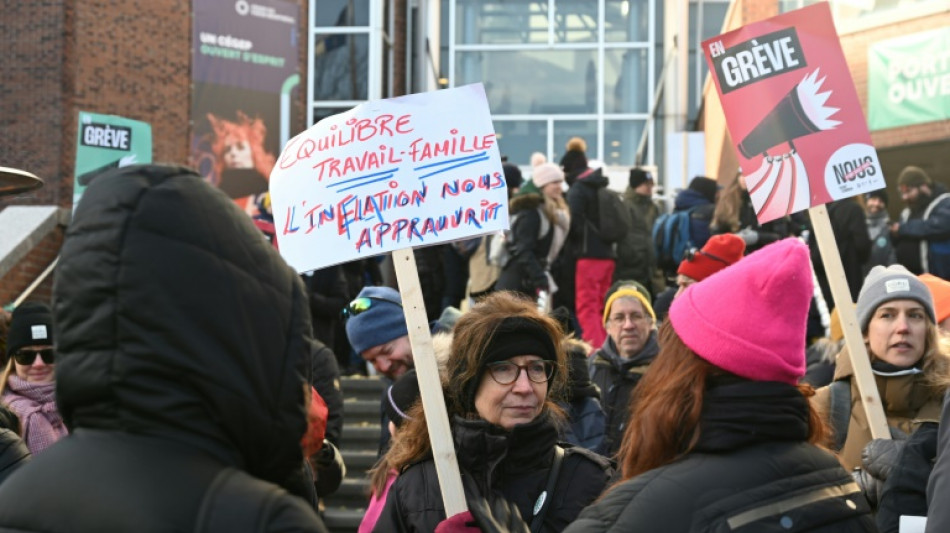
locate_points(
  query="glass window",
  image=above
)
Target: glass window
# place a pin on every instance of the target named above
(565, 129)
(518, 139)
(320, 113)
(340, 67)
(341, 13)
(621, 138)
(575, 21)
(501, 21)
(627, 20)
(626, 81)
(533, 81)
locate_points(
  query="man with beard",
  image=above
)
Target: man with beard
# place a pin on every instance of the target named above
(922, 237)
(631, 345)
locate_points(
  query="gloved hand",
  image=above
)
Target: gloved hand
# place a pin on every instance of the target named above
(878, 459)
(749, 236)
(328, 468)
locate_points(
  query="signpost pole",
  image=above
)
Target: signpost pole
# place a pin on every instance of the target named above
(430, 385)
(870, 398)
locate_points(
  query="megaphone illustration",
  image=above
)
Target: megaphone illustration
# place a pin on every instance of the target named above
(801, 112)
(780, 186)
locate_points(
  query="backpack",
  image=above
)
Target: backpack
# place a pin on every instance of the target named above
(671, 238)
(498, 252)
(614, 219)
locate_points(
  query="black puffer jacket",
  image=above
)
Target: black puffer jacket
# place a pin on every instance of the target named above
(751, 470)
(182, 346)
(525, 270)
(13, 453)
(617, 377)
(514, 464)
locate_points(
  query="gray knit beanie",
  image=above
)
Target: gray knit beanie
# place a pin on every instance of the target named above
(891, 283)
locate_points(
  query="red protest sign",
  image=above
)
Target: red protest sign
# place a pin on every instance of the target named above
(793, 112)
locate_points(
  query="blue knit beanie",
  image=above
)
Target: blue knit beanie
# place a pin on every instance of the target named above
(381, 323)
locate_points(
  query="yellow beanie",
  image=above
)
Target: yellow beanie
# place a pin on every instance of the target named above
(630, 291)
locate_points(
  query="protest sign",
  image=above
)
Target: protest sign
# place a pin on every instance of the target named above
(793, 112)
(802, 139)
(387, 175)
(108, 141)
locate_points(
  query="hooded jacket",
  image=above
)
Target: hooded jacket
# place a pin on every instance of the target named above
(930, 231)
(525, 271)
(183, 341)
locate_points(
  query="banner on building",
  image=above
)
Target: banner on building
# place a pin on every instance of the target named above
(909, 80)
(793, 112)
(108, 141)
(244, 70)
(387, 175)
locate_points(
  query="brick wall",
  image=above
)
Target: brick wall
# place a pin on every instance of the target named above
(15, 281)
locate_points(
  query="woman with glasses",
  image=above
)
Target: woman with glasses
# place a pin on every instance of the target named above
(28, 383)
(505, 371)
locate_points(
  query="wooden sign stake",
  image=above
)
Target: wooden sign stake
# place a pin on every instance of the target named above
(430, 385)
(860, 361)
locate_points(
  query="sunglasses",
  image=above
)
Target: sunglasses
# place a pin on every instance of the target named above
(693, 252)
(363, 304)
(27, 357)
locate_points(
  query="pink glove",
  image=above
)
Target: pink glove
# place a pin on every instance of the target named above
(459, 523)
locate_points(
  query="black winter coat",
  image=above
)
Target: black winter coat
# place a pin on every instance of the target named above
(751, 470)
(850, 229)
(584, 239)
(617, 377)
(528, 253)
(13, 453)
(514, 464)
(182, 345)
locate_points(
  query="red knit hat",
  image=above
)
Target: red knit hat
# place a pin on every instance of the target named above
(719, 252)
(749, 319)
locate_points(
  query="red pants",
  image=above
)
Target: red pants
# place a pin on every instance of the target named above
(592, 280)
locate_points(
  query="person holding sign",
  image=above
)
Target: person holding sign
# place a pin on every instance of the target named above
(912, 371)
(506, 369)
(722, 437)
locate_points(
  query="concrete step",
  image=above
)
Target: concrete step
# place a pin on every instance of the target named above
(359, 461)
(362, 436)
(343, 520)
(358, 410)
(362, 385)
(352, 494)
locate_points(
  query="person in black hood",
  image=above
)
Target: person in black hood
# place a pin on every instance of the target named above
(182, 346)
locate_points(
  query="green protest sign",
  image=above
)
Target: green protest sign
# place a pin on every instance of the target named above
(909, 80)
(108, 141)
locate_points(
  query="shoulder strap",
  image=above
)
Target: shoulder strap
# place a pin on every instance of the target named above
(840, 398)
(234, 502)
(544, 500)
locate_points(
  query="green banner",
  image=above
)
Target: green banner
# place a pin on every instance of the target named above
(108, 141)
(909, 80)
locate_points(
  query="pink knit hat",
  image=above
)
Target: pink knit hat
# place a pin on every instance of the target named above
(749, 318)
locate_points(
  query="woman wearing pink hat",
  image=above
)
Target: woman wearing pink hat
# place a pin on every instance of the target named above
(722, 437)
(540, 221)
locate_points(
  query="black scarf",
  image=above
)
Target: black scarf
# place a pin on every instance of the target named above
(738, 413)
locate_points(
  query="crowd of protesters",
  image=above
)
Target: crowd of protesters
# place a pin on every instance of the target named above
(185, 378)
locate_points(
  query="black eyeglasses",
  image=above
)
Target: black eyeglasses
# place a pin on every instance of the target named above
(363, 304)
(27, 357)
(506, 372)
(693, 252)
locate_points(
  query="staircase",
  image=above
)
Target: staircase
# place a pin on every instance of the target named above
(343, 510)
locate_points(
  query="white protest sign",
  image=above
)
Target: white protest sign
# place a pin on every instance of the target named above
(387, 175)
